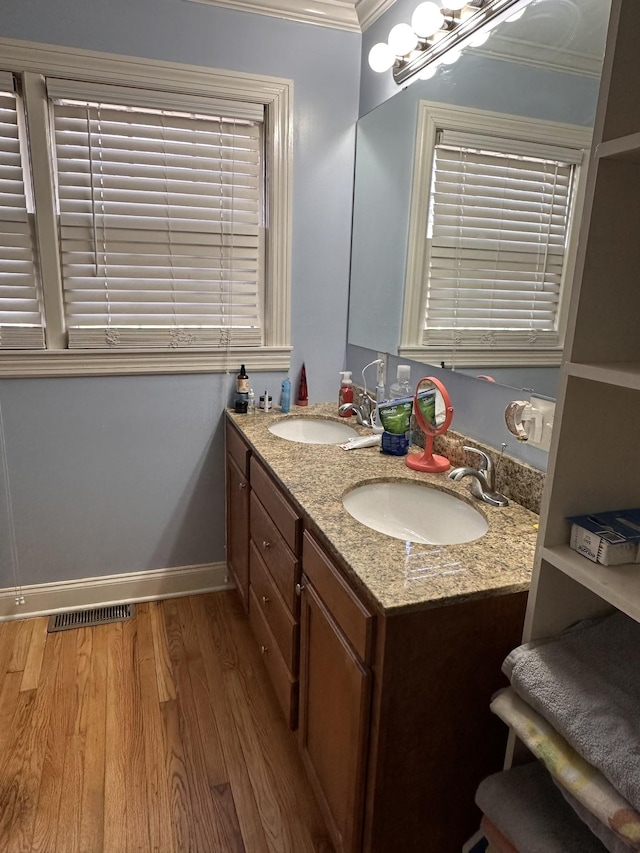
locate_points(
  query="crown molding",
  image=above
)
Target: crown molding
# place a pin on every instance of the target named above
(541, 56)
(352, 15)
(339, 14)
(369, 11)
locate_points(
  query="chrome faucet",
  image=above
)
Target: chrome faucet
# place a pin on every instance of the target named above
(482, 485)
(364, 411)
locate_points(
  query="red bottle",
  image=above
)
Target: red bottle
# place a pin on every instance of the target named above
(302, 388)
(346, 393)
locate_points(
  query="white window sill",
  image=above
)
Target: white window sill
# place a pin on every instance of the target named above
(15, 364)
(487, 357)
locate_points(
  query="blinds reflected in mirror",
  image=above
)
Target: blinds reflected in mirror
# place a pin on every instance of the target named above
(160, 221)
(21, 323)
(497, 233)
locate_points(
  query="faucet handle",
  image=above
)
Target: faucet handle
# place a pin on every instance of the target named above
(486, 463)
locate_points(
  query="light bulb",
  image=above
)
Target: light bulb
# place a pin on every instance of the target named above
(451, 56)
(455, 5)
(402, 39)
(427, 19)
(381, 57)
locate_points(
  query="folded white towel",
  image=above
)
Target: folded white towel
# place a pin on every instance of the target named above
(594, 799)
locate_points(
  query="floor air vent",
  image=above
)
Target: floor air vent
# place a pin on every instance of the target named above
(88, 618)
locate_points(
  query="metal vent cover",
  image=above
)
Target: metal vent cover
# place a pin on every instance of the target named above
(89, 618)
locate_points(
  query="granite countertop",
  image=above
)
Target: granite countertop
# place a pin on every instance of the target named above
(394, 575)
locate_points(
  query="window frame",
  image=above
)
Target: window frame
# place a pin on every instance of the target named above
(35, 62)
(432, 117)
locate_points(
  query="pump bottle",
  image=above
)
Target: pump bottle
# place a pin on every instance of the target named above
(242, 381)
(346, 392)
(401, 387)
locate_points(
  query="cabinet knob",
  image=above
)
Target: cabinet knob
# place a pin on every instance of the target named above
(266, 544)
(242, 486)
(264, 649)
(265, 599)
(299, 588)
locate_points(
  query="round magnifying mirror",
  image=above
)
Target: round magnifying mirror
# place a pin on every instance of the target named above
(433, 413)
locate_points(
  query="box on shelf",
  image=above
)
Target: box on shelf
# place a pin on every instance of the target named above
(611, 538)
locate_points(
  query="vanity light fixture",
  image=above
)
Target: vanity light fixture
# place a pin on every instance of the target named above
(438, 33)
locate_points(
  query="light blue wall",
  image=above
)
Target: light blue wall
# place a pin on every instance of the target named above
(123, 474)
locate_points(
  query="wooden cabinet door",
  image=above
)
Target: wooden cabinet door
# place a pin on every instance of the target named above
(335, 692)
(238, 528)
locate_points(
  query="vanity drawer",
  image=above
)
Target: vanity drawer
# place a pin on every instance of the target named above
(275, 612)
(281, 563)
(237, 449)
(285, 517)
(353, 618)
(284, 684)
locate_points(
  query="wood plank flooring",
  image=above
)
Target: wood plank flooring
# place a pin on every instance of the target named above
(157, 735)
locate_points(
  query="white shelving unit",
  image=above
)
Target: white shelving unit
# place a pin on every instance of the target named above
(594, 461)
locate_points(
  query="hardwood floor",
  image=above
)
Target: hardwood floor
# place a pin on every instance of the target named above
(157, 735)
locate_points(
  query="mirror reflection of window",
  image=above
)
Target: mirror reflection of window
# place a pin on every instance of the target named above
(497, 234)
(491, 242)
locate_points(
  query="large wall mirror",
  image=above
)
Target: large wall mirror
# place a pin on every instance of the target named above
(546, 67)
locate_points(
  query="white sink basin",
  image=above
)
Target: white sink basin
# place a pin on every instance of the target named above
(312, 431)
(415, 513)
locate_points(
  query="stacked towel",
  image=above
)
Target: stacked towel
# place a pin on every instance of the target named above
(586, 683)
(530, 812)
(593, 798)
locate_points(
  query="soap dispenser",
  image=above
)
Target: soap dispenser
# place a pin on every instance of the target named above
(401, 387)
(346, 393)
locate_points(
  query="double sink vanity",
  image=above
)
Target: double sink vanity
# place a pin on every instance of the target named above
(383, 652)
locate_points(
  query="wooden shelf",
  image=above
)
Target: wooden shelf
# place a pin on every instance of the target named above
(623, 374)
(618, 585)
(625, 148)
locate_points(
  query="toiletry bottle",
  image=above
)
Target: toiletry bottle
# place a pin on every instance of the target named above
(401, 387)
(242, 380)
(346, 392)
(303, 394)
(285, 396)
(251, 402)
(265, 401)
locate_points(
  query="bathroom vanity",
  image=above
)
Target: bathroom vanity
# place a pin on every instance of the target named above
(383, 654)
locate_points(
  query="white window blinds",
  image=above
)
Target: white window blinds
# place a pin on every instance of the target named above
(497, 234)
(160, 218)
(21, 323)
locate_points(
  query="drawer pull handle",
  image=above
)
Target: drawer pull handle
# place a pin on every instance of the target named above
(264, 649)
(266, 544)
(299, 588)
(265, 599)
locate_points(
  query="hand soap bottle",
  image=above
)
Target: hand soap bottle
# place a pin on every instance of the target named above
(401, 387)
(346, 393)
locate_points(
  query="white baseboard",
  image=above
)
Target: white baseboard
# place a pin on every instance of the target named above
(44, 599)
